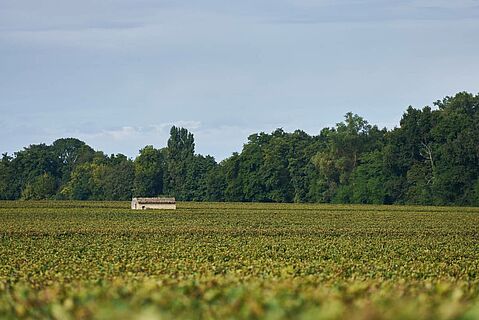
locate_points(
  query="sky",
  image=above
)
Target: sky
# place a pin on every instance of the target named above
(118, 74)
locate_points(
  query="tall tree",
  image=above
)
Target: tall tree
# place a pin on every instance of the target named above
(149, 170)
(31, 163)
(179, 156)
(71, 152)
(456, 136)
(274, 171)
(345, 145)
(9, 188)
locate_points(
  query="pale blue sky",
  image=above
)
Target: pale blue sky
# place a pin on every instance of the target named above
(117, 74)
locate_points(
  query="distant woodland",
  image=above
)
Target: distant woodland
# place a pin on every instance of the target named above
(431, 158)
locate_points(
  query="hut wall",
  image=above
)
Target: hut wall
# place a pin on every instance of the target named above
(167, 206)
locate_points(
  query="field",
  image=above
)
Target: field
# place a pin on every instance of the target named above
(100, 260)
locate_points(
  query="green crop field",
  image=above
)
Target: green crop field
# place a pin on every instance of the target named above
(101, 260)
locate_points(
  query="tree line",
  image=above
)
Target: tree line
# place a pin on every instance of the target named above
(431, 158)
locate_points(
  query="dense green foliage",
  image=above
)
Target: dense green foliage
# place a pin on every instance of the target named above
(84, 260)
(432, 158)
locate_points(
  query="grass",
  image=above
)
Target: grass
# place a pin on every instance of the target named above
(100, 260)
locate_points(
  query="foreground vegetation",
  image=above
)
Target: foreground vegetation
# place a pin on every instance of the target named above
(431, 158)
(100, 260)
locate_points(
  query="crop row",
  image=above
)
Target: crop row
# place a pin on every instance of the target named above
(238, 260)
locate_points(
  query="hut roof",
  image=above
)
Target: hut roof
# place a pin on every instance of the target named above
(156, 200)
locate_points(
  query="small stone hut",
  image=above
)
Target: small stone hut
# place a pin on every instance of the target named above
(153, 203)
